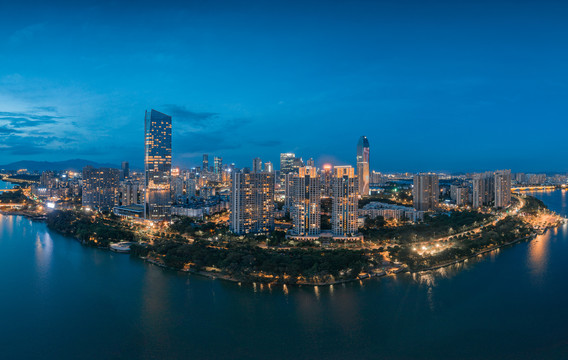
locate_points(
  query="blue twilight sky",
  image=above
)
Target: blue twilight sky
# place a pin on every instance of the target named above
(434, 85)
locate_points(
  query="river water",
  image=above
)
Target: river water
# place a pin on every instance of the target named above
(61, 300)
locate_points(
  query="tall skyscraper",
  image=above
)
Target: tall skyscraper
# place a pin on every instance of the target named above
(363, 154)
(306, 192)
(125, 170)
(157, 165)
(205, 167)
(502, 188)
(311, 162)
(256, 165)
(426, 192)
(100, 188)
(217, 166)
(252, 203)
(268, 167)
(345, 202)
(287, 163)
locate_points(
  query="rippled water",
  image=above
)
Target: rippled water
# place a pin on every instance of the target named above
(62, 300)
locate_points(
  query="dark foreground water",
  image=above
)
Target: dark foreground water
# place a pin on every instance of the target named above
(60, 300)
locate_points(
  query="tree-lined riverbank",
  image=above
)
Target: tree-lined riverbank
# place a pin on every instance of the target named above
(210, 249)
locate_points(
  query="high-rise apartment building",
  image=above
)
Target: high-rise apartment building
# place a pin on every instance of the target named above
(100, 188)
(426, 192)
(460, 194)
(305, 210)
(483, 189)
(256, 165)
(376, 178)
(268, 167)
(130, 193)
(252, 203)
(345, 202)
(502, 188)
(157, 165)
(47, 179)
(363, 154)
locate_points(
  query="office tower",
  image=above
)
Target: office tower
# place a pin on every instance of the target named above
(287, 163)
(252, 203)
(100, 188)
(217, 166)
(205, 167)
(256, 165)
(345, 201)
(502, 188)
(157, 165)
(311, 162)
(363, 165)
(426, 192)
(326, 175)
(268, 167)
(460, 194)
(306, 213)
(125, 170)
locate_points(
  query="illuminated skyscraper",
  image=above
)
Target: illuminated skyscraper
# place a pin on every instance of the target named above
(345, 202)
(256, 165)
(287, 163)
(268, 167)
(252, 203)
(326, 175)
(217, 166)
(426, 192)
(306, 192)
(363, 154)
(157, 165)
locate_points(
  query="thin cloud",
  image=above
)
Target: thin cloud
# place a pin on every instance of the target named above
(181, 112)
(27, 33)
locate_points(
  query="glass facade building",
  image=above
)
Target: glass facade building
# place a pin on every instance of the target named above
(363, 154)
(157, 165)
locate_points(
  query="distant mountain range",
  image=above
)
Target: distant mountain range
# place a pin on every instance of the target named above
(74, 164)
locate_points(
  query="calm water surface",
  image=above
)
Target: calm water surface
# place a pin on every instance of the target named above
(60, 300)
(5, 185)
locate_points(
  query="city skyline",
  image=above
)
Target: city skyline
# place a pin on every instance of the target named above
(432, 87)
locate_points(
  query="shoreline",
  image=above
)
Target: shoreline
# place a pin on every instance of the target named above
(226, 277)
